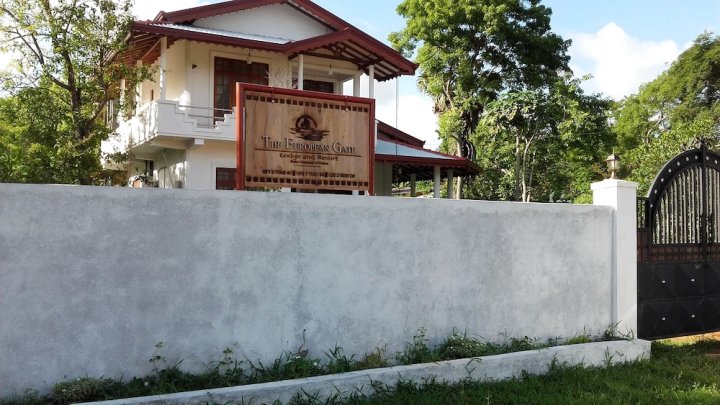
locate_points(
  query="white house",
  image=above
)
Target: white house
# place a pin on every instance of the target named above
(183, 131)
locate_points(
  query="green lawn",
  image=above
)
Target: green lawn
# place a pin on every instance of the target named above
(678, 373)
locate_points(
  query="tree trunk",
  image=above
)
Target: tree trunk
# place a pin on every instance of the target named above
(517, 193)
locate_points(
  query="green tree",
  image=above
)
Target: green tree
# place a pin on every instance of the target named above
(542, 144)
(470, 51)
(65, 50)
(667, 114)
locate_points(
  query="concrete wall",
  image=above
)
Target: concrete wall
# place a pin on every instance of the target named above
(92, 278)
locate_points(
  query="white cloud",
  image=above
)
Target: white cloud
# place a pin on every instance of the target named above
(618, 62)
(415, 118)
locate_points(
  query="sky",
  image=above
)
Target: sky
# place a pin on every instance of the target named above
(621, 43)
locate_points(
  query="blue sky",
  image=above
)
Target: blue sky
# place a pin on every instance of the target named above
(621, 43)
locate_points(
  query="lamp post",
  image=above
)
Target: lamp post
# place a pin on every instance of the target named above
(613, 165)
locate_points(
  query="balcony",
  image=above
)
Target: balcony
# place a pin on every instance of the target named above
(166, 120)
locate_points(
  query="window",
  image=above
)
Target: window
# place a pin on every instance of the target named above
(225, 178)
(230, 71)
(316, 85)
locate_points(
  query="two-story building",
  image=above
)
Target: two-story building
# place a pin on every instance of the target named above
(183, 132)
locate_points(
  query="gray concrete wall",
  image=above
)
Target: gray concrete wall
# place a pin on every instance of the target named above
(92, 278)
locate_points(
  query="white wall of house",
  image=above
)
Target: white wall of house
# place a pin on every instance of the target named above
(203, 160)
(176, 71)
(264, 21)
(171, 168)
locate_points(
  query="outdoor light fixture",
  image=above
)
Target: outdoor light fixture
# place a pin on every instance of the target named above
(249, 59)
(613, 165)
(331, 71)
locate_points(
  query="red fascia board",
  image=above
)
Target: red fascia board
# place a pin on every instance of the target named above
(305, 6)
(169, 31)
(210, 10)
(461, 163)
(385, 50)
(359, 38)
(317, 12)
(447, 155)
(400, 135)
(303, 93)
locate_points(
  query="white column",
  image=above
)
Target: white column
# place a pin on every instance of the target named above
(138, 88)
(436, 182)
(163, 68)
(301, 71)
(450, 184)
(122, 92)
(371, 82)
(356, 85)
(621, 195)
(413, 185)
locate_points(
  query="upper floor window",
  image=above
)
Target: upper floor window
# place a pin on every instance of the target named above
(230, 71)
(316, 85)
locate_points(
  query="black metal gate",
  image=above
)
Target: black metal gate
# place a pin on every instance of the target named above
(678, 250)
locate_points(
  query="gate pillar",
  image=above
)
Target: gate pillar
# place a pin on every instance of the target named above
(621, 195)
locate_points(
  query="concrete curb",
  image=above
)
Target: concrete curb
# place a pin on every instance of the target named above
(500, 367)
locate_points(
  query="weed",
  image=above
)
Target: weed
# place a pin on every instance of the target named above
(417, 351)
(461, 346)
(579, 339)
(339, 362)
(288, 366)
(227, 371)
(374, 359)
(167, 376)
(82, 390)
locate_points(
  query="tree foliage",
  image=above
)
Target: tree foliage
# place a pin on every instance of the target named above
(499, 78)
(669, 113)
(65, 53)
(542, 144)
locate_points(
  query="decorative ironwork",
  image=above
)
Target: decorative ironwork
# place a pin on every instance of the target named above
(678, 253)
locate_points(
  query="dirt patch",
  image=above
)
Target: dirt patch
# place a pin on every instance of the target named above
(697, 338)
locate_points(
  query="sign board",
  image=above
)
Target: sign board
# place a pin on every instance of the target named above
(304, 140)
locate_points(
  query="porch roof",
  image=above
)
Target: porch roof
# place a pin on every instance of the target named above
(345, 42)
(407, 159)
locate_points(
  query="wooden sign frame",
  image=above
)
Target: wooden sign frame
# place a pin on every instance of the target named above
(278, 161)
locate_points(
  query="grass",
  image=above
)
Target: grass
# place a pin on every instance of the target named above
(227, 371)
(678, 373)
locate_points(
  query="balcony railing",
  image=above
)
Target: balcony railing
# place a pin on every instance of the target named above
(170, 118)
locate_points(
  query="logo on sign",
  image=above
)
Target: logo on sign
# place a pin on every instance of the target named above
(307, 128)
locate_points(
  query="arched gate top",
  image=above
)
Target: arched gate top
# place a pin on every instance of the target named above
(677, 165)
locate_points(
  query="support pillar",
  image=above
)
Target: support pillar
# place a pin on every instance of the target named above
(621, 196)
(138, 89)
(371, 83)
(436, 182)
(123, 92)
(301, 72)
(450, 184)
(356, 85)
(163, 68)
(413, 185)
